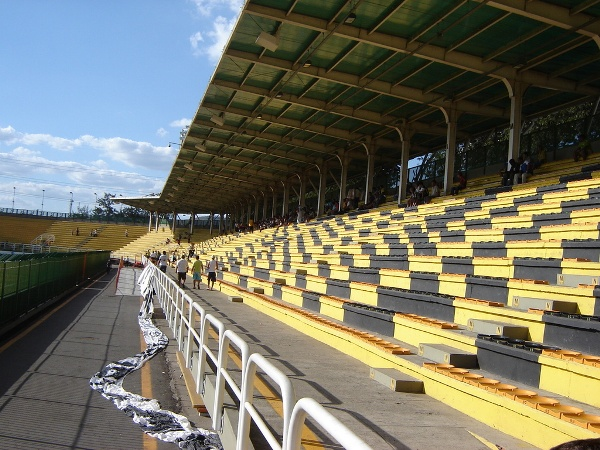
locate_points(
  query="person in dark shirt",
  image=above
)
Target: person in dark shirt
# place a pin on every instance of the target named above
(583, 149)
(462, 183)
(509, 174)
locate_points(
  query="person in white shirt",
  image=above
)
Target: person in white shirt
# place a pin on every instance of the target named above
(163, 260)
(211, 268)
(182, 268)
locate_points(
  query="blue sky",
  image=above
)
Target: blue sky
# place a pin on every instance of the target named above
(93, 91)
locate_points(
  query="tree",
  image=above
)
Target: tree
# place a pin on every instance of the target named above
(105, 206)
(83, 212)
(135, 214)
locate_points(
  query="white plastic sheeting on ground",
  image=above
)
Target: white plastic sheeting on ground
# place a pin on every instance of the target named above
(154, 421)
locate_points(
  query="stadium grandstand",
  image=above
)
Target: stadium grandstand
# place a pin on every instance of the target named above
(320, 124)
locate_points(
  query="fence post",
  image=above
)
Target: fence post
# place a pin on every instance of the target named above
(2, 301)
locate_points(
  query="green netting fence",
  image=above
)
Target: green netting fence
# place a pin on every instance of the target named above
(32, 280)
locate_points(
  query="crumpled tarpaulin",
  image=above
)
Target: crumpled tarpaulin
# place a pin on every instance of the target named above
(154, 421)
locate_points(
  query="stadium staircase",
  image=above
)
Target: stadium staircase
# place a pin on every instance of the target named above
(157, 241)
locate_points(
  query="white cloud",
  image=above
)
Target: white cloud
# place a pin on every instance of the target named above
(23, 152)
(217, 39)
(181, 123)
(224, 14)
(161, 132)
(56, 143)
(8, 134)
(195, 41)
(206, 7)
(31, 178)
(133, 154)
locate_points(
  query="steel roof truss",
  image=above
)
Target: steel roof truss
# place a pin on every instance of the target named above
(430, 52)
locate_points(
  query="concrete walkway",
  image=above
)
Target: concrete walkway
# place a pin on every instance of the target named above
(46, 401)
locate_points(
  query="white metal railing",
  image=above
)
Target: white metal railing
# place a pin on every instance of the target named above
(309, 407)
(182, 313)
(248, 411)
(224, 376)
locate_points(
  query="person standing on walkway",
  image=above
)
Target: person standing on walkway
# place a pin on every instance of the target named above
(197, 270)
(211, 268)
(182, 268)
(163, 260)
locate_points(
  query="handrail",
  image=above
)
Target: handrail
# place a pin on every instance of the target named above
(223, 375)
(248, 411)
(181, 312)
(309, 407)
(204, 348)
(192, 334)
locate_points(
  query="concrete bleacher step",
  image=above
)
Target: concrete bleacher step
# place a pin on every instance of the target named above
(492, 327)
(526, 303)
(396, 380)
(573, 280)
(438, 249)
(445, 354)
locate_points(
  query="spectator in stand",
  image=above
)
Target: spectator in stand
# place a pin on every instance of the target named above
(461, 178)
(434, 191)
(333, 208)
(509, 174)
(526, 169)
(530, 165)
(583, 149)
(353, 197)
(411, 196)
(421, 193)
(518, 177)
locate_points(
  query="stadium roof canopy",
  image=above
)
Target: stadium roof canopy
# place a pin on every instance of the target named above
(303, 83)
